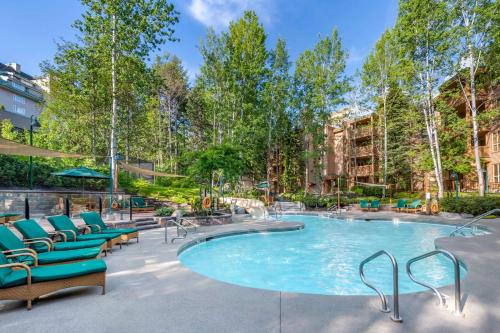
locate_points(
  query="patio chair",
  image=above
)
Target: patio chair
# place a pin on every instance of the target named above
(400, 205)
(18, 251)
(64, 224)
(32, 231)
(95, 222)
(18, 281)
(375, 205)
(138, 204)
(414, 206)
(364, 205)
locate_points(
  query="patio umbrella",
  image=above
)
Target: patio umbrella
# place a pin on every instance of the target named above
(81, 172)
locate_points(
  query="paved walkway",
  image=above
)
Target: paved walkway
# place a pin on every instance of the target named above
(148, 290)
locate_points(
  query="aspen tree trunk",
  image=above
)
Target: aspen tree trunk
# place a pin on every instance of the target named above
(473, 107)
(113, 148)
(385, 141)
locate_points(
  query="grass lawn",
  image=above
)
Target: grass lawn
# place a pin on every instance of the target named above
(173, 193)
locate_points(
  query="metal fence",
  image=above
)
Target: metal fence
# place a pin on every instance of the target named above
(40, 204)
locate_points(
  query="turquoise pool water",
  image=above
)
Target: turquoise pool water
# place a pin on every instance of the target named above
(324, 257)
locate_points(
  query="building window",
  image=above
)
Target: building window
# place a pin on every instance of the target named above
(19, 110)
(495, 139)
(18, 86)
(19, 99)
(496, 173)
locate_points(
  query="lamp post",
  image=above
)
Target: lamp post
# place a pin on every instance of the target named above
(454, 175)
(33, 123)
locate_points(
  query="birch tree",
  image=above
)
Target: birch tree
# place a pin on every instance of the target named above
(473, 23)
(423, 31)
(125, 28)
(378, 71)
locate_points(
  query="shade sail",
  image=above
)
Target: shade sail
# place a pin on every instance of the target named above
(81, 172)
(146, 172)
(8, 147)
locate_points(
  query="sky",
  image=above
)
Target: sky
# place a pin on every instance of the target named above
(32, 28)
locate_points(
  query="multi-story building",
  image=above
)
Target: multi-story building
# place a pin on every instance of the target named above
(20, 95)
(488, 134)
(352, 153)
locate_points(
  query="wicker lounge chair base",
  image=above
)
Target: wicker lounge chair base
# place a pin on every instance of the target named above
(112, 242)
(30, 292)
(129, 236)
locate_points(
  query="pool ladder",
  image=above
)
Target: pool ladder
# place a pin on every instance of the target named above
(395, 284)
(179, 227)
(491, 212)
(395, 296)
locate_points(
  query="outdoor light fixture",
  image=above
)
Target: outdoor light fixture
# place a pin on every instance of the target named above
(34, 123)
(454, 175)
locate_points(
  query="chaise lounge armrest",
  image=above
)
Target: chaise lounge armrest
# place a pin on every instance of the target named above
(90, 226)
(66, 236)
(42, 240)
(27, 253)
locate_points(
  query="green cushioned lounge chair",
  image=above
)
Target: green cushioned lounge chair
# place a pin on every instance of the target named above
(18, 251)
(21, 282)
(414, 206)
(95, 222)
(400, 205)
(139, 204)
(363, 204)
(32, 232)
(375, 205)
(63, 224)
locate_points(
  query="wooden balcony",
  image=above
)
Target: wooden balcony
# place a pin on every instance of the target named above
(363, 170)
(364, 151)
(362, 132)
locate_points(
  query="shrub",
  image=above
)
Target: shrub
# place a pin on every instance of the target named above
(370, 191)
(469, 205)
(164, 211)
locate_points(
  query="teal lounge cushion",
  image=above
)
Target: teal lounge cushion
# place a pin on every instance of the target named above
(9, 241)
(121, 231)
(3, 271)
(16, 277)
(93, 218)
(64, 246)
(107, 236)
(70, 255)
(62, 222)
(30, 229)
(56, 272)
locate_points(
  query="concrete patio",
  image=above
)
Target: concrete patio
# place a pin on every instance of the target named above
(149, 290)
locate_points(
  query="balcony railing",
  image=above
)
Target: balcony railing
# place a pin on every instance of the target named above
(363, 170)
(22, 90)
(364, 151)
(362, 132)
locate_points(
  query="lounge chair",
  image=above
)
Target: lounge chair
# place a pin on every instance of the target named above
(414, 206)
(95, 222)
(364, 205)
(32, 231)
(21, 282)
(400, 205)
(63, 224)
(18, 251)
(138, 204)
(375, 205)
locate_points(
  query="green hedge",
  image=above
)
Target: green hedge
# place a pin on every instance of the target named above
(469, 205)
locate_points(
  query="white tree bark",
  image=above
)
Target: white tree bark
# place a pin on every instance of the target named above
(114, 111)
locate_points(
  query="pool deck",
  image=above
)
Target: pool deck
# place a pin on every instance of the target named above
(148, 290)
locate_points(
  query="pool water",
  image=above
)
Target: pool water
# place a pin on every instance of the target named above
(324, 257)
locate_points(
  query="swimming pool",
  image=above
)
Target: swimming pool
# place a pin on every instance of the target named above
(324, 257)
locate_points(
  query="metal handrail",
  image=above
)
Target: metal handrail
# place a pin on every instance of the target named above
(456, 266)
(395, 295)
(179, 226)
(496, 210)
